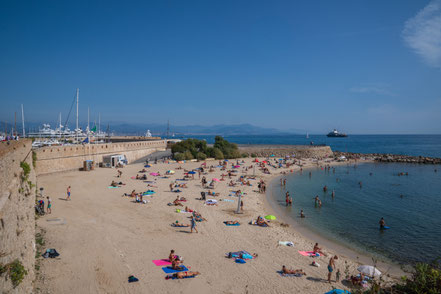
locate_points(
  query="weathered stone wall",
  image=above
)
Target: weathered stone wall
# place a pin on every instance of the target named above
(17, 216)
(64, 158)
(299, 151)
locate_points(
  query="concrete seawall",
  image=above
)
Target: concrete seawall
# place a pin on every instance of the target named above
(64, 158)
(299, 151)
(17, 216)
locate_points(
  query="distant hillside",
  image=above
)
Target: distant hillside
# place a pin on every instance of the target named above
(161, 129)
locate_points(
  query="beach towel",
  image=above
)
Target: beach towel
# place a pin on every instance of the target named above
(169, 270)
(111, 187)
(245, 254)
(133, 178)
(171, 277)
(174, 225)
(286, 243)
(309, 253)
(228, 200)
(239, 260)
(231, 224)
(161, 262)
(288, 275)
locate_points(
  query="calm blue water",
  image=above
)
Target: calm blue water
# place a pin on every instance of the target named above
(352, 216)
(416, 145)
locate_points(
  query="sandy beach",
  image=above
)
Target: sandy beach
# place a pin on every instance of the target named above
(103, 237)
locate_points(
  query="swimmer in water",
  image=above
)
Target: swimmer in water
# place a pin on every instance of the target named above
(333, 193)
(302, 215)
(361, 184)
(316, 199)
(325, 189)
(382, 223)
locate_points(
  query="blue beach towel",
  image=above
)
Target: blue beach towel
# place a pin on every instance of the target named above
(169, 270)
(111, 187)
(230, 225)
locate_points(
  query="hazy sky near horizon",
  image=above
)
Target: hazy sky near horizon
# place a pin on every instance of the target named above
(360, 66)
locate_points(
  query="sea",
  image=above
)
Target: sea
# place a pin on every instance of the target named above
(409, 203)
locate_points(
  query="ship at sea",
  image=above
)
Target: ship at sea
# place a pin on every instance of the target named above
(336, 134)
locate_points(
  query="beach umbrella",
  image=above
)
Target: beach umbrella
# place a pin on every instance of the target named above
(216, 180)
(236, 166)
(272, 155)
(256, 160)
(270, 217)
(191, 172)
(171, 171)
(369, 270)
(264, 161)
(338, 291)
(154, 174)
(147, 165)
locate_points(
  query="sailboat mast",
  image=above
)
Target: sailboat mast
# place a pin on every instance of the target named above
(78, 98)
(88, 127)
(22, 121)
(99, 123)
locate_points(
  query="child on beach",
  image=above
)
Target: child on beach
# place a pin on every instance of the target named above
(49, 205)
(68, 193)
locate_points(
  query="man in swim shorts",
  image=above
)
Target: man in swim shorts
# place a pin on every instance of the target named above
(193, 225)
(68, 193)
(331, 267)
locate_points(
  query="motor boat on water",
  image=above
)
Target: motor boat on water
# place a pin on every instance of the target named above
(336, 134)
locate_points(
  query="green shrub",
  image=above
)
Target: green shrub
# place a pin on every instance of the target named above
(26, 168)
(425, 279)
(34, 159)
(217, 153)
(188, 155)
(244, 155)
(17, 272)
(253, 155)
(179, 156)
(201, 156)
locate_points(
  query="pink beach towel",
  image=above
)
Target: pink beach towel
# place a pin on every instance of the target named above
(161, 262)
(308, 253)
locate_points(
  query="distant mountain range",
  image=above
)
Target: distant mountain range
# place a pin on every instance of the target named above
(119, 128)
(224, 130)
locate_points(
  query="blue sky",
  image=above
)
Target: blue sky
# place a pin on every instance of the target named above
(361, 66)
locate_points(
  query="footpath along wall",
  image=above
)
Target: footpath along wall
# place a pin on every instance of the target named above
(17, 217)
(64, 158)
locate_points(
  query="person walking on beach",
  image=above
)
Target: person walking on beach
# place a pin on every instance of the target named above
(193, 225)
(49, 205)
(331, 267)
(68, 193)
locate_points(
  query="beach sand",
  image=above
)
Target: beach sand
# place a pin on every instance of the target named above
(103, 238)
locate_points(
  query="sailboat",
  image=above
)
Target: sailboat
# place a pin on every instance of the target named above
(307, 135)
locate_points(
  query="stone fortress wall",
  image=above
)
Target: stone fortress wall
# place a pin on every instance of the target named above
(17, 216)
(64, 158)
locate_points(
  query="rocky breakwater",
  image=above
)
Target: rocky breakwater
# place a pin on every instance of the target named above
(297, 151)
(379, 157)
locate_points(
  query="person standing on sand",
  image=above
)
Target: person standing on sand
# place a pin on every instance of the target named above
(68, 193)
(49, 205)
(331, 267)
(193, 225)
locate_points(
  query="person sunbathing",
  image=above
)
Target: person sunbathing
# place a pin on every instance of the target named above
(180, 199)
(286, 271)
(177, 203)
(178, 224)
(143, 170)
(231, 184)
(261, 222)
(318, 250)
(188, 209)
(357, 280)
(175, 265)
(114, 184)
(144, 177)
(183, 275)
(232, 223)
